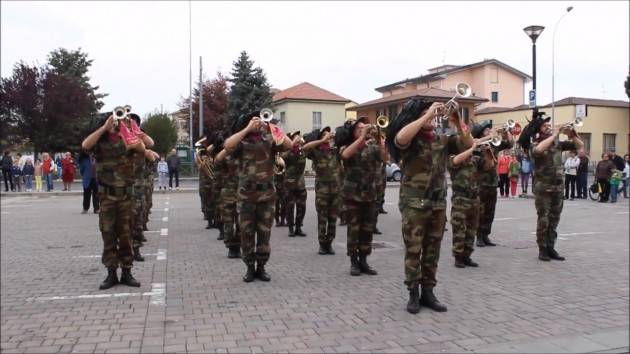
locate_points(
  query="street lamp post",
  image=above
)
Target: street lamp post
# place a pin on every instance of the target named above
(553, 64)
(533, 32)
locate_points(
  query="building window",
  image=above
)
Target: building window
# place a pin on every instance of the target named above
(465, 114)
(586, 139)
(283, 119)
(317, 120)
(495, 96)
(609, 141)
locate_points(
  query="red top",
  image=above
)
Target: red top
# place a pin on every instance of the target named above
(503, 165)
(46, 166)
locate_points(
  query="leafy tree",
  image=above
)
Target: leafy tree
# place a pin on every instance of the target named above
(249, 91)
(627, 85)
(163, 131)
(215, 95)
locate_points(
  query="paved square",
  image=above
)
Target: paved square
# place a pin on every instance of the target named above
(192, 297)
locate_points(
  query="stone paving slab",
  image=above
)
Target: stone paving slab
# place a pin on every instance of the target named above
(192, 298)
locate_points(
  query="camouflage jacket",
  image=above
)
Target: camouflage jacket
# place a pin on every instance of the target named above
(548, 168)
(205, 181)
(295, 163)
(326, 166)
(114, 167)
(489, 178)
(465, 176)
(360, 171)
(216, 181)
(256, 162)
(423, 165)
(230, 179)
(139, 166)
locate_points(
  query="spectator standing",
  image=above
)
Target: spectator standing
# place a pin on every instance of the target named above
(616, 159)
(28, 171)
(16, 172)
(582, 175)
(59, 167)
(7, 166)
(38, 175)
(173, 169)
(162, 168)
(526, 171)
(570, 174)
(515, 170)
(503, 169)
(48, 171)
(68, 170)
(87, 168)
(603, 172)
(615, 180)
(626, 175)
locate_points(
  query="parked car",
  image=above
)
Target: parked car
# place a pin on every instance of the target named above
(393, 172)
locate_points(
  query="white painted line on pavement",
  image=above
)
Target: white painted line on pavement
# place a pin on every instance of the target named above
(161, 255)
(502, 219)
(151, 231)
(576, 233)
(164, 232)
(99, 256)
(165, 219)
(623, 212)
(157, 295)
(165, 209)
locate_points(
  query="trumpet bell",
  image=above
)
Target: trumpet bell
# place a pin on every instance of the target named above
(119, 112)
(266, 114)
(128, 108)
(382, 122)
(496, 141)
(578, 122)
(510, 123)
(463, 89)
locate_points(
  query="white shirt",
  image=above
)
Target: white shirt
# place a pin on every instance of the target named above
(571, 165)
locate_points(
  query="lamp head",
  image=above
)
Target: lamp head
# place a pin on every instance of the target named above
(533, 31)
(569, 8)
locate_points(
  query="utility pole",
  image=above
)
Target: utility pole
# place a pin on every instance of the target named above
(200, 99)
(190, 104)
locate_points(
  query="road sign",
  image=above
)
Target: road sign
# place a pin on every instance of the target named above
(532, 98)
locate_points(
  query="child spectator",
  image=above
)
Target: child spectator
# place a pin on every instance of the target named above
(38, 175)
(28, 172)
(162, 168)
(514, 170)
(615, 180)
(16, 173)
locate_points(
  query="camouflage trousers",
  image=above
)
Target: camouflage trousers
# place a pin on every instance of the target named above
(148, 202)
(213, 204)
(359, 216)
(488, 202)
(281, 203)
(548, 207)
(422, 229)
(229, 219)
(137, 216)
(327, 210)
(465, 220)
(296, 206)
(254, 223)
(115, 225)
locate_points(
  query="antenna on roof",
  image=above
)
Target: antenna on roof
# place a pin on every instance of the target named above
(443, 56)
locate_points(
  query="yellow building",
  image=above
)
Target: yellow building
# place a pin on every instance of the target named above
(606, 122)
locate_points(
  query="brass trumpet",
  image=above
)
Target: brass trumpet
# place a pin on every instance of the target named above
(507, 126)
(578, 122)
(266, 115)
(205, 165)
(119, 113)
(462, 89)
(382, 122)
(279, 165)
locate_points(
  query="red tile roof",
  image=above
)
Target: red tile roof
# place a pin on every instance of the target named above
(429, 93)
(309, 92)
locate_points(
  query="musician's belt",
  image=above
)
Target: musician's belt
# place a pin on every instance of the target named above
(465, 192)
(251, 186)
(115, 191)
(417, 193)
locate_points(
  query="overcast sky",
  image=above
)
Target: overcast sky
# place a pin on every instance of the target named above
(141, 49)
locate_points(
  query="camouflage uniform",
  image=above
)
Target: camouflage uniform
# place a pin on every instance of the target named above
(340, 202)
(549, 187)
(295, 187)
(115, 176)
(359, 195)
(465, 203)
(326, 165)
(214, 196)
(228, 203)
(137, 217)
(149, 173)
(205, 190)
(380, 191)
(256, 196)
(488, 182)
(422, 204)
(281, 205)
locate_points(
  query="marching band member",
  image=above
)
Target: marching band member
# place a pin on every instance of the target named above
(218, 179)
(423, 155)
(278, 181)
(295, 162)
(546, 151)
(255, 144)
(325, 156)
(228, 200)
(205, 180)
(139, 191)
(488, 181)
(361, 160)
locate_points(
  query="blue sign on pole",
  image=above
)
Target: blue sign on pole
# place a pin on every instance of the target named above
(532, 98)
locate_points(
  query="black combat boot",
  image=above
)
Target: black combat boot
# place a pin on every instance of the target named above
(322, 248)
(480, 242)
(381, 210)
(144, 239)
(330, 249)
(128, 279)
(261, 274)
(364, 266)
(144, 227)
(209, 226)
(234, 252)
(291, 231)
(429, 300)
(282, 222)
(543, 254)
(413, 306)
(136, 255)
(249, 276)
(298, 230)
(470, 263)
(487, 241)
(354, 266)
(377, 231)
(221, 233)
(553, 254)
(459, 262)
(111, 280)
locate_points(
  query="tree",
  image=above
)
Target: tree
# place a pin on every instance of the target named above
(163, 131)
(215, 96)
(627, 85)
(249, 91)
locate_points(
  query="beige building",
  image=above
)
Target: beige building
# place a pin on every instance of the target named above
(606, 122)
(305, 107)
